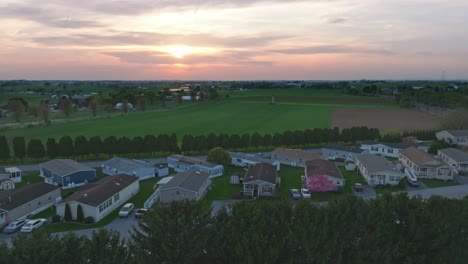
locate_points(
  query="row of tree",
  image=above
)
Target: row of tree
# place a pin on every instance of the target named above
(443, 97)
(390, 229)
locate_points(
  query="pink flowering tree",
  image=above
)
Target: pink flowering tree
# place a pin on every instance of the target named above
(320, 183)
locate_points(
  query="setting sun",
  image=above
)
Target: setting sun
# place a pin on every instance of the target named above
(178, 51)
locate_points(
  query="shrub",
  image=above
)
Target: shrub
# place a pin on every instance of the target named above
(56, 219)
(89, 220)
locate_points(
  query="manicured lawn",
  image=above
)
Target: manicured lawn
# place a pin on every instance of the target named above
(29, 177)
(437, 184)
(389, 189)
(146, 189)
(221, 188)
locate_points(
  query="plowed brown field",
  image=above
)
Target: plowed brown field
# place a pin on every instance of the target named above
(385, 119)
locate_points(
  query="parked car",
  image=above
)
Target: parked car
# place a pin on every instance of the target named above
(15, 226)
(295, 194)
(139, 213)
(358, 187)
(32, 225)
(305, 193)
(412, 182)
(126, 210)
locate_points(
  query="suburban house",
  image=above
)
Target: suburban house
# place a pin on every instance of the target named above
(456, 158)
(293, 157)
(99, 198)
(6, 184)
(326, 168)
(260, 180)
(190, 184)
(183, 163)
(378, 170)
(459, 137)
(66, 173)
(12, 173)
(240, 159)
(424, 165)
(341, 153)
(29, 199)
(391, 150)
(138, 168)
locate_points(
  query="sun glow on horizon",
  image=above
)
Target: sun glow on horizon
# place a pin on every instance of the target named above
(178, 51)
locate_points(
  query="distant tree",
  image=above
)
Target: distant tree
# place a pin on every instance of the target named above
(142, 103)
(212, 140)
(68, 216)
(149, 144)
(256, 140)
(94, 107)
(79, 214)
(65, 147)
(179, 98)
(36, 149)
(235, 141)
(95, 145)
(213, 93)
(19, 147)
(137, 145)
(219, 156)
(125, 105)
(4, 149)
(17, 109)
(151, 96)
(320, 183)
(124, 145)
(52, 148)
(173, 146)
(267, 140)
(277, 139)
(44, 112)
(66, 106)
(187, 143)
(245, 140)
(200, 144)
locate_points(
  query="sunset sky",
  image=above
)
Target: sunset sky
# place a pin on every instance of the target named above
(233, 39)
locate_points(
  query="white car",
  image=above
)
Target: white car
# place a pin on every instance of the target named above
(295, 194)
(126, 210)
(305, 193)
(32, 225)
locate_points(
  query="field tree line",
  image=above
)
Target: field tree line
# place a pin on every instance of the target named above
(387, 230)
(82, 147)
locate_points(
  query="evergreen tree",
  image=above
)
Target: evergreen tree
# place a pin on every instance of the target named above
(79, 214)
(81, 146)
(52, 148)
(65, 147)
(256, 140)
(19, 148)
(211, 141)
(110, 145)
(245, 140)
(36, 149)
(68, 216)
(95, 145)
(187, 143)
(4, 149)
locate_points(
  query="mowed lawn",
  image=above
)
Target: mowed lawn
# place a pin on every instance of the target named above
(293, 92)
(196, 118)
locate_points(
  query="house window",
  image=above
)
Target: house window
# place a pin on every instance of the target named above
(390, 150)
(267, 189)
(104, 205)
(67, 179)
(374, 148)
(239, 160)
(116, 197)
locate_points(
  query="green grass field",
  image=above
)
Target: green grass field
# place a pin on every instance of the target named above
(293, 92)
(438, 184)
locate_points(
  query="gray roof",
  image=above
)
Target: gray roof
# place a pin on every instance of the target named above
(261, 171)
(458, 133)
(193, 161)
(125, 165)
(11, 199)
(389, 144)
(63, 167)
(190, 180)
(457, 155)
(344, 148)
(240, 155)
(375, 163)
(98, 192)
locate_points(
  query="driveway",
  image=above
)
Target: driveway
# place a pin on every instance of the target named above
(421, 186)
(367, 192)
(451, 192)
(461, 179)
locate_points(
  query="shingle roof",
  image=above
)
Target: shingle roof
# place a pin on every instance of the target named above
(98, 192)
(417, 156)
(389, 144)
(322, 167)
(300, 153)
(193, 161)
(11, 199)
(457, 155)
(125, 165)
(375, 163)
(62, 167)
(261, 171)
(240, 155)
(458, 133)
(190, 180)
(344, 148)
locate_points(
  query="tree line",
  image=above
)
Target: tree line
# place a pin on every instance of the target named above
(83, 147)
(390, 229)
